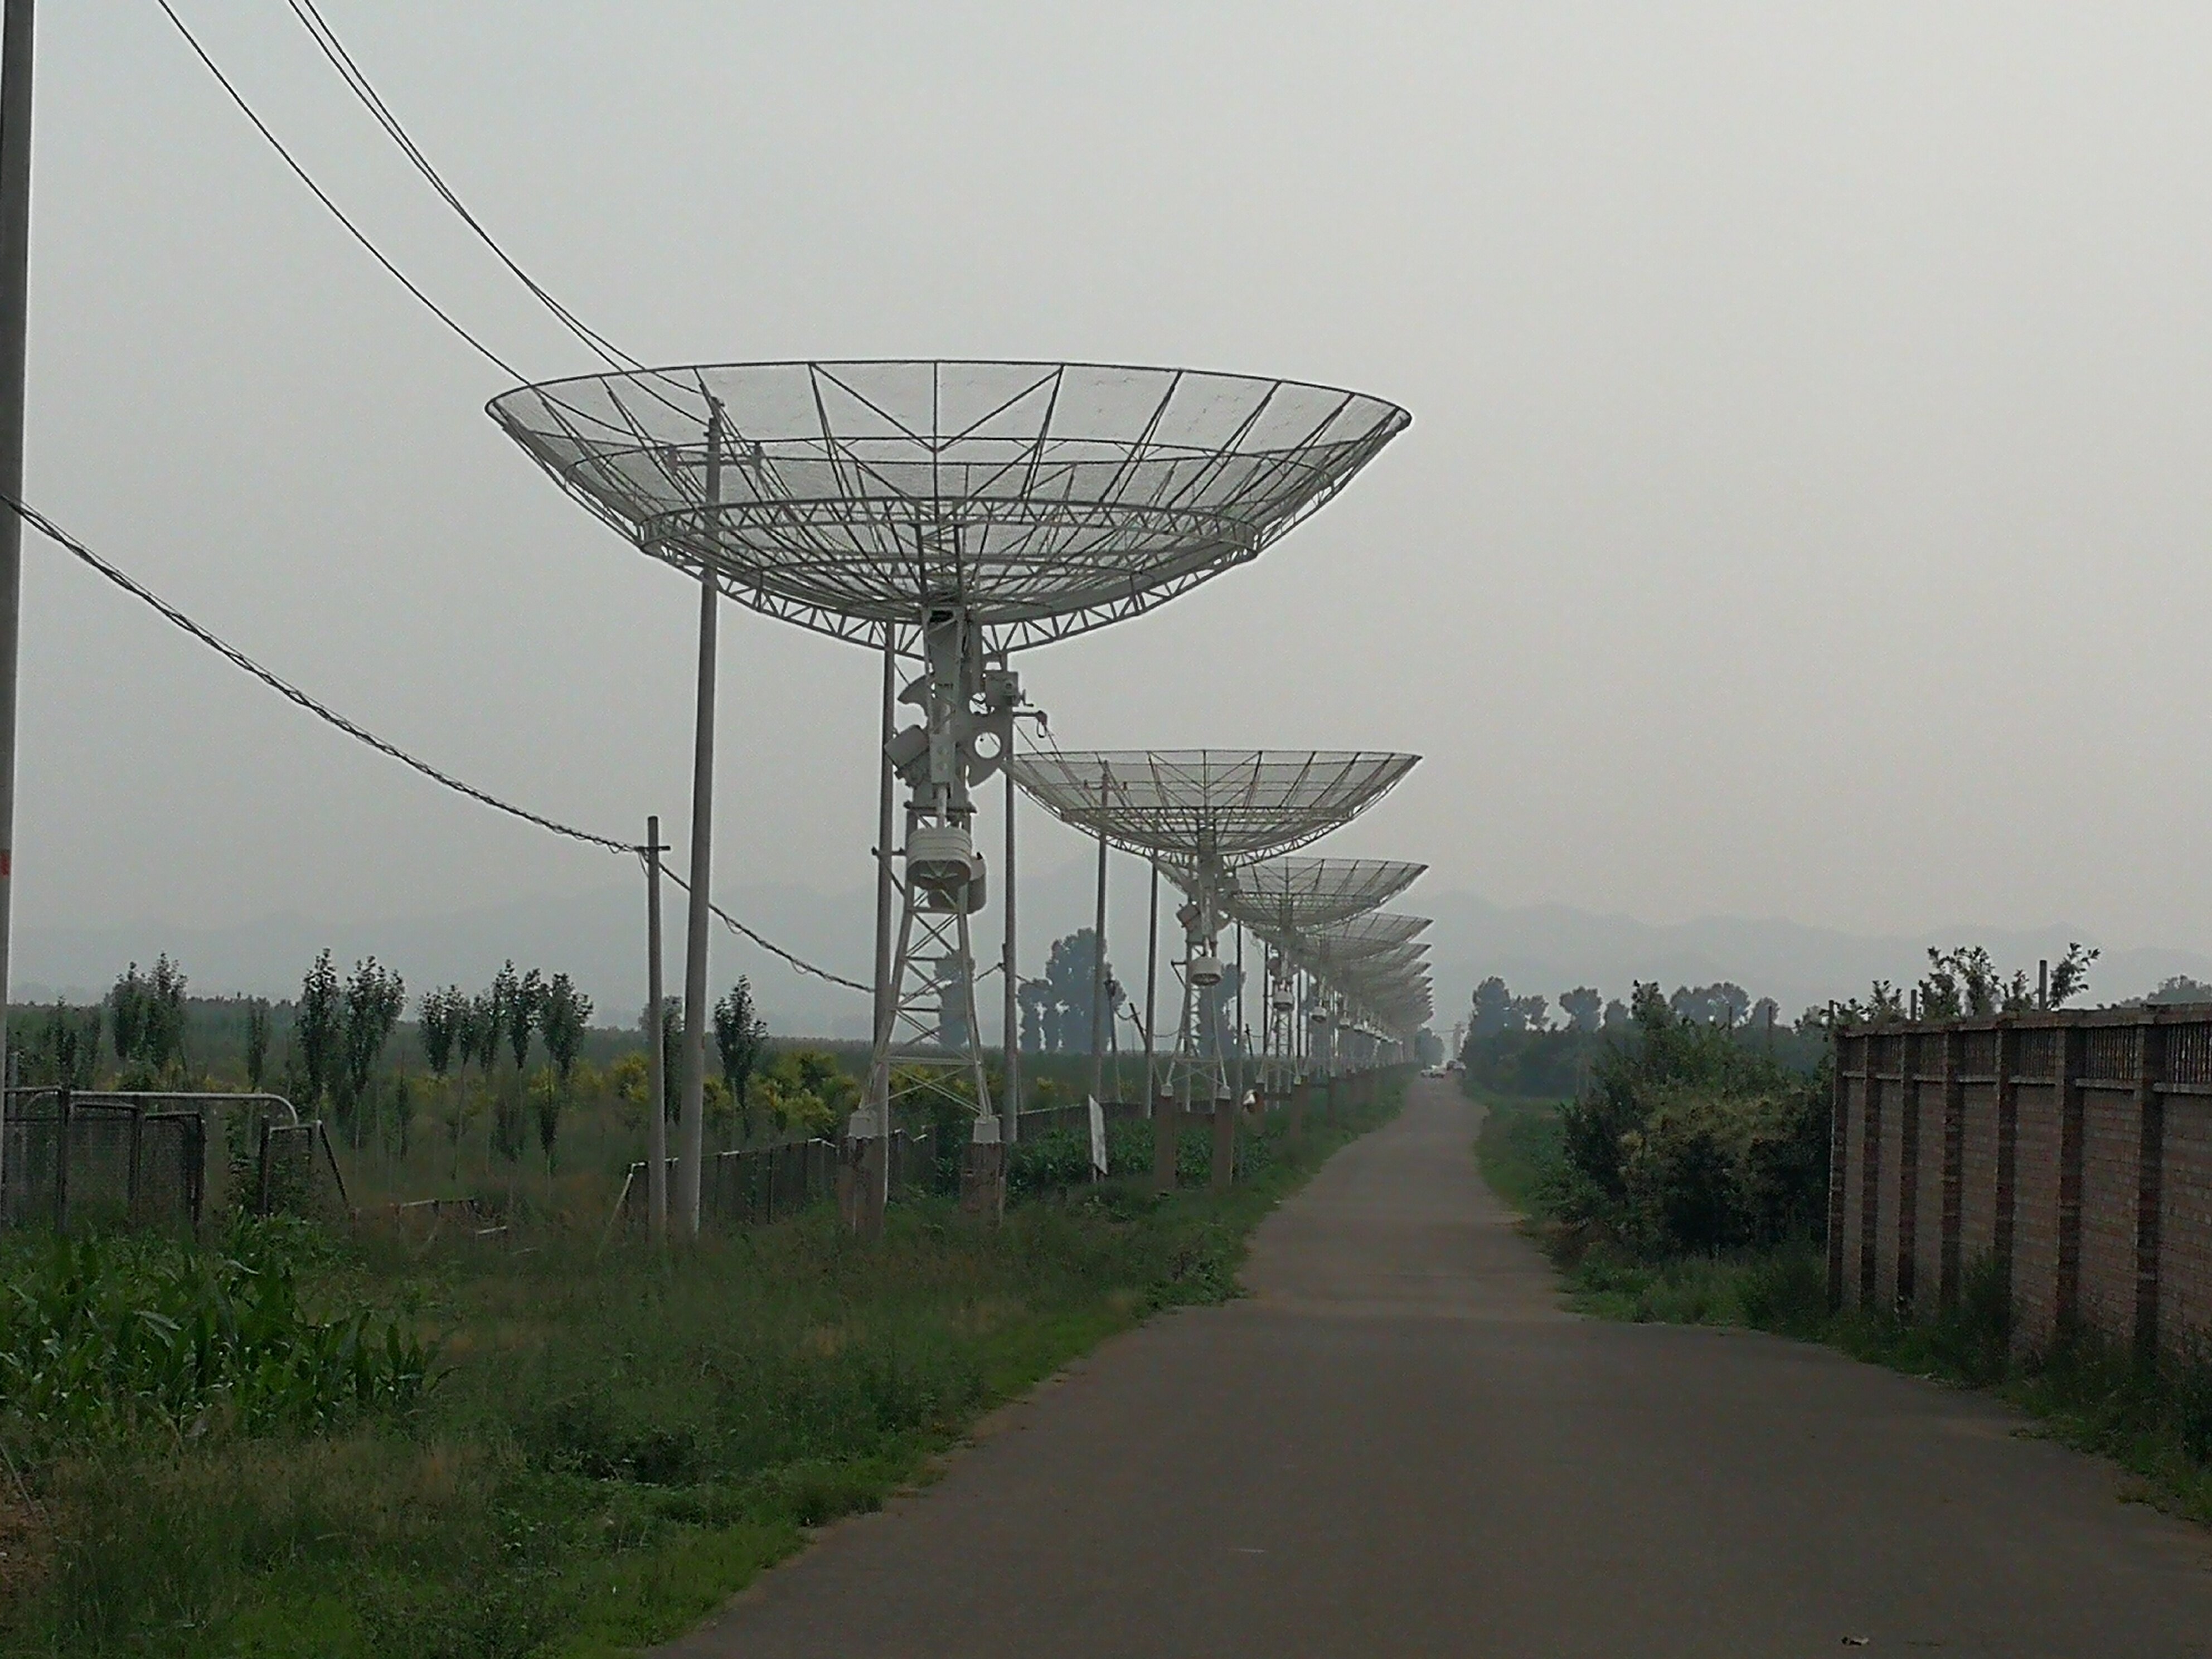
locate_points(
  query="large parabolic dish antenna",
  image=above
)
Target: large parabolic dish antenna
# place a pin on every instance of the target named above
(1219, 808)
(950, 512)
(1283, 899)
(1359, 937)
(1287, 897)
(1373, 983)
(1205, 813)
(1041, 499)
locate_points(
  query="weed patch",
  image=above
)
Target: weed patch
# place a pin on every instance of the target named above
(573, 1454)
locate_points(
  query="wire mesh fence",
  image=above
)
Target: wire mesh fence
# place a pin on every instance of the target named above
(298, 1174)
(82, 1159)
(752, 1185)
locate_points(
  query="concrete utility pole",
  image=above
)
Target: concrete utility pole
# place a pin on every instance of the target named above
(656, 1078)
(1010, 1105)
(879, 1112)
(1098, 1014)
(1152, 993)
(1240, 1011)
(691, 1126)
(16, 36)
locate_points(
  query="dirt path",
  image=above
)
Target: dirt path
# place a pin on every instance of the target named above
(1400, 1445)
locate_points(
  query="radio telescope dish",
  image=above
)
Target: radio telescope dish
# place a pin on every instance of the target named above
(1225, 808)
(1372, 986)
(951, 511)
(1287, 897)
(1359, 937)
(1042, 499)
(1205, 813)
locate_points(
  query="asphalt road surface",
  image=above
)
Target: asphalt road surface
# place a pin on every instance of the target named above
(1399, 1444)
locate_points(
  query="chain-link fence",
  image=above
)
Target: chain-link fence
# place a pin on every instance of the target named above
(756, 1184)
(79, 1159)
(298, 1173)
(87, 1160)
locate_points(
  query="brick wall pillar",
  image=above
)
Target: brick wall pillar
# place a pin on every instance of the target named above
(1908, 1165)
(2067, 1294)
(1847, 1050)
(1870, 1176)
(2150, 1178)
(2002, 1224)
(1955, 1165)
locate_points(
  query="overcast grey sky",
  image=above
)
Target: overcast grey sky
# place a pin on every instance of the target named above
(1803, 514)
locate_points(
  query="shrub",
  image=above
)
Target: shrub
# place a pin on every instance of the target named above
(1688, 1141)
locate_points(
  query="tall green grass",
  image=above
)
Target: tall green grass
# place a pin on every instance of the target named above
(611, 1443)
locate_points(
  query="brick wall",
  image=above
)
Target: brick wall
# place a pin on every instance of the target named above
(1928, 1209)
(1978, 1220)
(2111, 1181)
(2073, 1150)
(2035, 1215)
(1844, 1243)
(2184, 1279)
(1887, 1209)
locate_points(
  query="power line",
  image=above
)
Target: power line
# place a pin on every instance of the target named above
(342, 61)
(335, 210)
(359, 84)
(322, 712)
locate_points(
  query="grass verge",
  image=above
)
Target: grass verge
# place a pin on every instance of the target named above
(613, 1445)
(2154, 1420)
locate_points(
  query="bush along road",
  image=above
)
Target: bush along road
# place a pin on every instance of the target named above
(1687, 1184)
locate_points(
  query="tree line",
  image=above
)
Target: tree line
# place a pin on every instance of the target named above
(499, 1069)
(1056, 1009)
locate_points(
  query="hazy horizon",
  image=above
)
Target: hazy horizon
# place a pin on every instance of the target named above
(1798, 519)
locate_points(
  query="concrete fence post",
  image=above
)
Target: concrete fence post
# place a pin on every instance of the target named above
(1224, 1142)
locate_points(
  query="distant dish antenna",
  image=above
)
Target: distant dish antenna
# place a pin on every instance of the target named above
(949, 512)
(1285, 901)
(1208, 814)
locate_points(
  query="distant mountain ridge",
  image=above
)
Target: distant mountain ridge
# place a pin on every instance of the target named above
(598, 937)
(1549, 948)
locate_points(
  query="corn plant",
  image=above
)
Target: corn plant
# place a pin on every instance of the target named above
(111, 1340)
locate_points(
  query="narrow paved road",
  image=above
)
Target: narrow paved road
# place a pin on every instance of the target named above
(1400, 1445)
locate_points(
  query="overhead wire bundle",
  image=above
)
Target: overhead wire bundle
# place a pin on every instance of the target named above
(334, 49)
